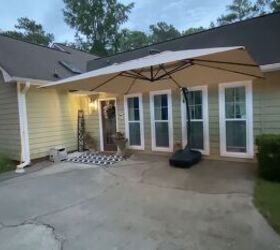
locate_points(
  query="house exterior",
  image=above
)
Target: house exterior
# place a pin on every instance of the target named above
(51, 116)
(226, 117)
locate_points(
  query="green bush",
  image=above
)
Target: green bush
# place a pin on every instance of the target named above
(6, 164)
(269, 156)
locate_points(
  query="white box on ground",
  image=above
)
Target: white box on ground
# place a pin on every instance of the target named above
(58, 154)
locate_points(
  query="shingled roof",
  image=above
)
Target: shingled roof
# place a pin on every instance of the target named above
(28, 60)
(260, 36)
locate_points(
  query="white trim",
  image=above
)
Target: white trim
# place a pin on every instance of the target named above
(205, 108)
(270, 67)
(36, 82)
(170, 120)
(23, 123)
(100, 119)
(142, 146)
(249, 120)
(6, 75)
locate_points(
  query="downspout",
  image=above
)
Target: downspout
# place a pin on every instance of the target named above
(24, 136)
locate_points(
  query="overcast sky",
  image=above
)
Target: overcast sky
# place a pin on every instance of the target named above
(181, 13)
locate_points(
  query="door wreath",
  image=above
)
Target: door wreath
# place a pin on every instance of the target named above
(109, 111)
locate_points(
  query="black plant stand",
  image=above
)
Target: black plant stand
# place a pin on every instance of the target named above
(81, 131)
(187, 157)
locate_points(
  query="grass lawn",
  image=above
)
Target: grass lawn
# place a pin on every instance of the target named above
(267, 200)
(6, 164)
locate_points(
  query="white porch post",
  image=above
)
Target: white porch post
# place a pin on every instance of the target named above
(24, 136)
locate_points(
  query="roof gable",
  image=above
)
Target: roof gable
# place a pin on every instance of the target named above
(28, 60)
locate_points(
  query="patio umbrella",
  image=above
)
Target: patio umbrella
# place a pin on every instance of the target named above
(169, 70)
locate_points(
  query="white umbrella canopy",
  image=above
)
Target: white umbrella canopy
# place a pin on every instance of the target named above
(167, 70)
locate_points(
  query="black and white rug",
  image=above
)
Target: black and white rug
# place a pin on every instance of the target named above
(96, 159)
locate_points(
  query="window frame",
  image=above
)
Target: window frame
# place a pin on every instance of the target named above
(169, 121)
(249, 154)
(205, 120)
(141, 121)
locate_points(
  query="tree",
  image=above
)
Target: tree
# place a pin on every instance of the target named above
(162, 32)
(131, 40)
(97, 22)
(192, 30)
(212, 25)
(275, 5)
(240, 10)
(30, 31)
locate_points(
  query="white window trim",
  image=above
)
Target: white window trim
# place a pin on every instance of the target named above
(206, 146)
(249, 120)
(141, 114)
(170, 121)
(100, 119)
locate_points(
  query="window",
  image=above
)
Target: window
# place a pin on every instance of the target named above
(198, 103)
(236, 128)
(134, 121)
(161, 120)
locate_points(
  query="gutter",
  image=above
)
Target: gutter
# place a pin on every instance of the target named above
(270, 67)
(24, 135)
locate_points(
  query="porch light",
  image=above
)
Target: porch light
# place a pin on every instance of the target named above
(93, 104)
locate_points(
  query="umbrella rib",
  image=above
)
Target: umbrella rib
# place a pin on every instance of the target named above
(139, 74)
(127, 73)
(228, 70)
(186, 65)
(131, 85)
(181, 67)
(124, 74)
(105, 82)
(226, 62)
(159, 69)
(171, 77)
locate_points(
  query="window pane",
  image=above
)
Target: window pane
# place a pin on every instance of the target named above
(162, 134)
(195, 99)
(196, 138)
(133, 109)
(134, 134)
(236, 136)
(235, 103)
(161, 107)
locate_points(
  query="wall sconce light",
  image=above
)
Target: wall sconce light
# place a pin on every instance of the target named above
(93, 104)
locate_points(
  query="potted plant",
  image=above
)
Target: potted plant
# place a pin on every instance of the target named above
(120, 140)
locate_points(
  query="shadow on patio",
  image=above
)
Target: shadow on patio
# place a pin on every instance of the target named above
(209, 176)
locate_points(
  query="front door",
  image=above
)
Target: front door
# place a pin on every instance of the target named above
(109, 128)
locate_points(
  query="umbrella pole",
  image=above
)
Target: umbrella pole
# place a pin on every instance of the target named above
(185, 94)
(187, 157)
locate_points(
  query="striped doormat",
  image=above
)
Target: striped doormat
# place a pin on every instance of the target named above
(96, 159)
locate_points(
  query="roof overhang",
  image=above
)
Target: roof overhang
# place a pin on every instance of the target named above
(35, 82)
(270, 67)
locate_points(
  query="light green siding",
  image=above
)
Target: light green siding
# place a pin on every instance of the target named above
(9, 120)
(52, 120)
(267, 104)
(266, 108)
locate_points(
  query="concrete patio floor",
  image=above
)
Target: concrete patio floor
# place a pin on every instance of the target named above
(141, 204)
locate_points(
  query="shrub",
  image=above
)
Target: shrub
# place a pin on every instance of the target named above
(269, 156)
